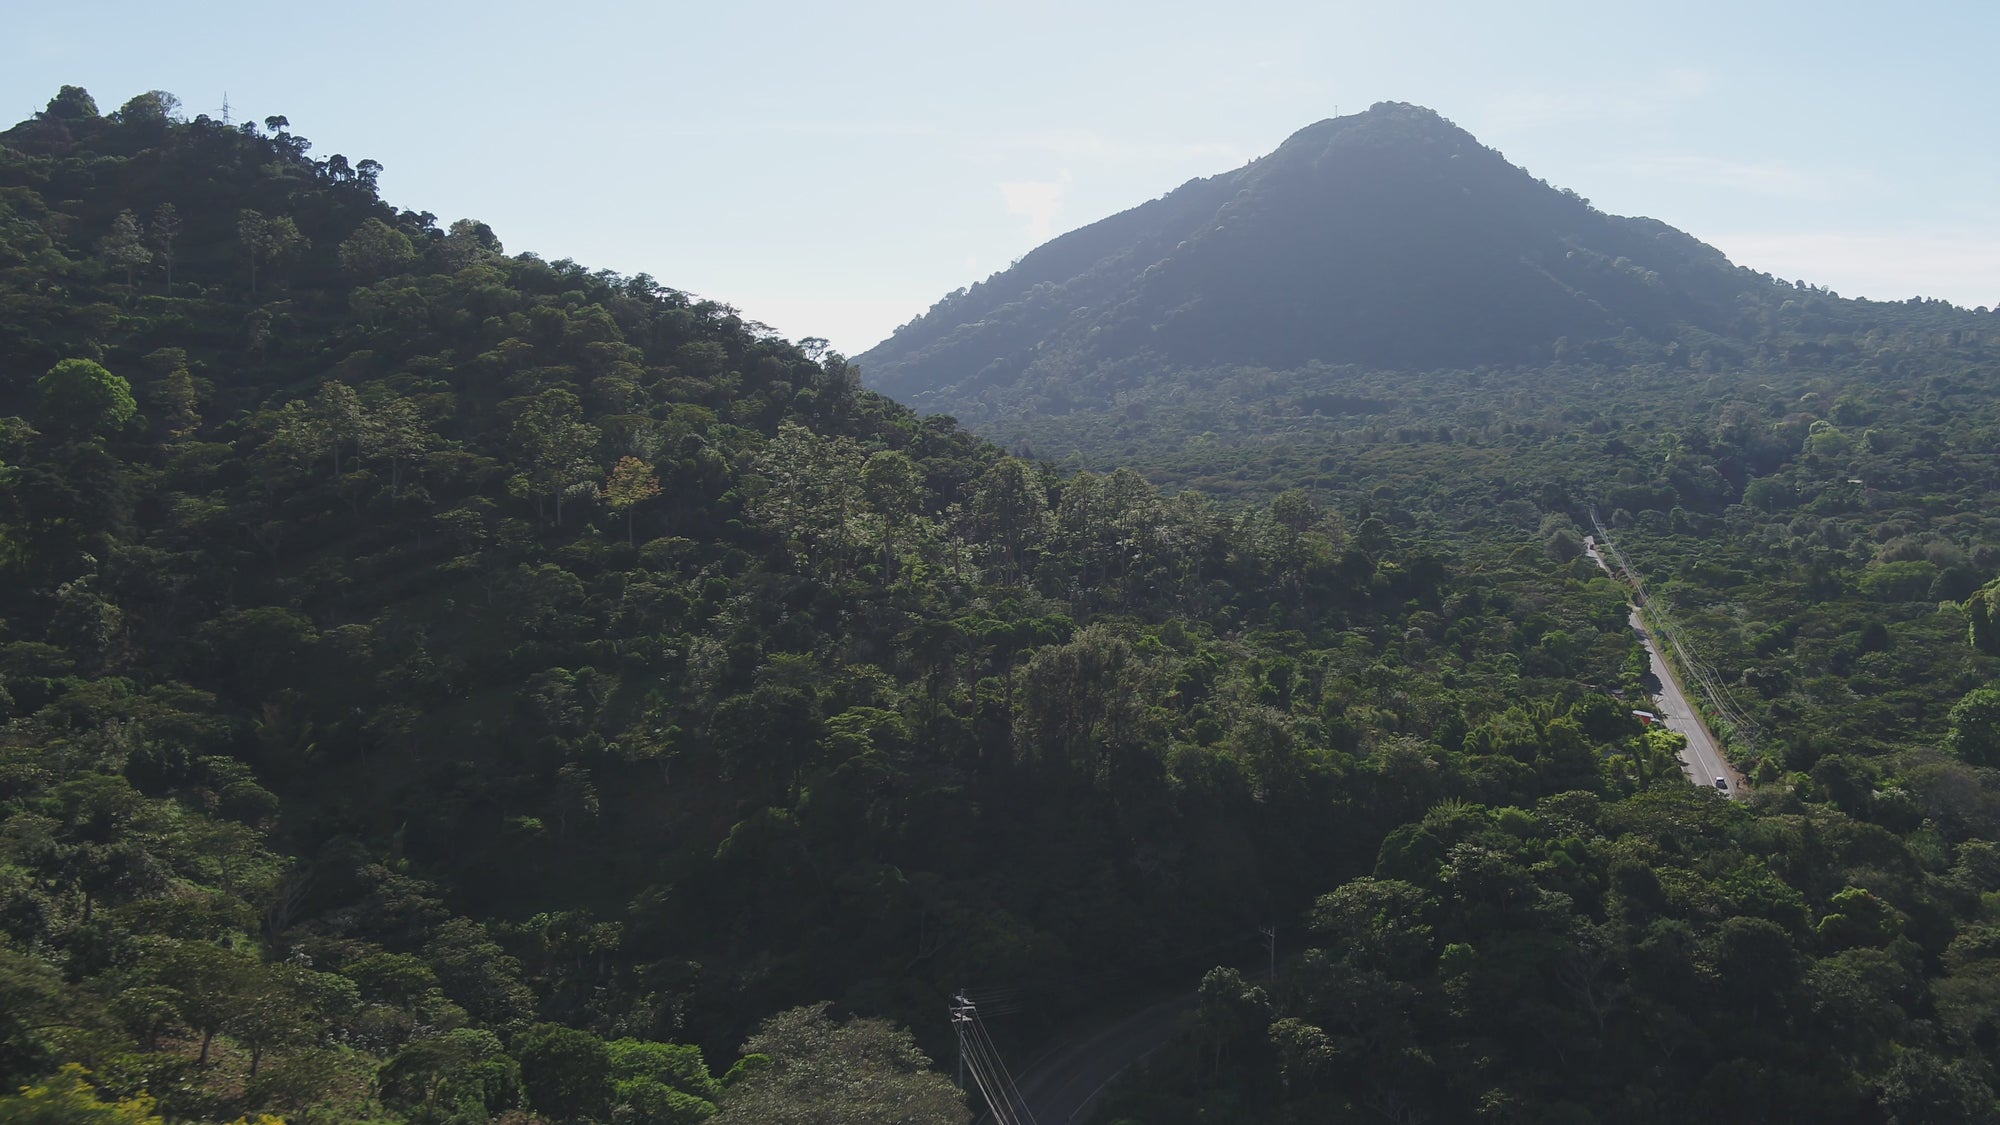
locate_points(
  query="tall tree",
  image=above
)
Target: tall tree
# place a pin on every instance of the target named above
(468, 241)
(394, 433)
(1975, 727)
(814, 490)
(894, 487)
(567, 1072)
(209, 983)
(328, 424)
(374, 250)
(267, 241)
(862, 1072)
(125, 247)
(80, 397)
(1009, 506)
(72, 103)
(631, 484)
(557, 446)
(464, 1071)
(1982, 611)
(164, 230)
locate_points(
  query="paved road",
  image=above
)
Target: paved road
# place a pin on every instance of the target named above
(1702, 759)
(1064, 1085)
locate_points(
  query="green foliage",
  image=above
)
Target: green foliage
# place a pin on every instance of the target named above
(1585, 928)
(342, 734)
(461, 1075)
(78, 396)
(72, 103)
(1982, 611)
(1705, 958)
(566, 1072)
(1857, 917)
(661, 1083)
(125, 247)
(1975, 727)
(376, 249)
(70, 1099)
(860, 1072)
(1924, 1088)
(265, 242)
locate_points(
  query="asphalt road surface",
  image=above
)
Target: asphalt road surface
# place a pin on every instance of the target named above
(1702, 759)
(1063, 1086)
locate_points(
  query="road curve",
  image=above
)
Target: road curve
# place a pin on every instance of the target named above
(1061, 1087)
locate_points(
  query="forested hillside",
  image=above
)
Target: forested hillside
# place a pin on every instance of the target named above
(1813, 509)
(1388, 241)
(1808, 491)
(1818, 524)
(441, 684)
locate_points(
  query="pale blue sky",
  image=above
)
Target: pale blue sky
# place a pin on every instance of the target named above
(833, 169)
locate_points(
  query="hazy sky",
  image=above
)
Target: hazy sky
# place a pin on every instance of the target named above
(832, 169)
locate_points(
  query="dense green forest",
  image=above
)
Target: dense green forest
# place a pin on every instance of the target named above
(442, 685)
(1812, 509)
(1809, 498)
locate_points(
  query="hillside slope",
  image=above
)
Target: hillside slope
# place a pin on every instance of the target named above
(446, 686)
(1386, 239)
(420, 665)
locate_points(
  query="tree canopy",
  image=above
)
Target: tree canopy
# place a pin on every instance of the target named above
(450, 686)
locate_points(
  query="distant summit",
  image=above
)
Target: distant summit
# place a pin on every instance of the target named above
(1390, 238)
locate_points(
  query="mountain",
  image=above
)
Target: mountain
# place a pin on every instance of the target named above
(438, 684)
(453, 687)
(1390, 238)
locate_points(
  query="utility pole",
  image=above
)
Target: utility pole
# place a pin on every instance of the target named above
(225, 107)
(1270, 933)
(989, 1074)
(961, 1014)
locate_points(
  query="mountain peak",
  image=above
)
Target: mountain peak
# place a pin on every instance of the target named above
(1403, 115)
(1390, 238)
(1382, 125)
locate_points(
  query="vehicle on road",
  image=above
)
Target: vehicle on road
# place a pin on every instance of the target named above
(1722, 783)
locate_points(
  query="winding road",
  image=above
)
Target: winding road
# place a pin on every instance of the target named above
(1063, 1086)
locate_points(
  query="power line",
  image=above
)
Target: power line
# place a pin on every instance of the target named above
(999, 1065)
(1704, 676)
(979, 1057)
